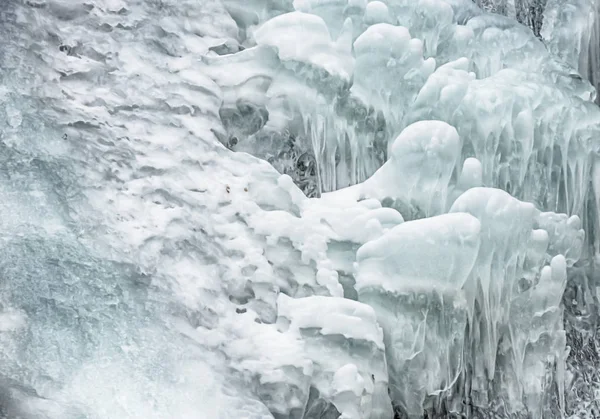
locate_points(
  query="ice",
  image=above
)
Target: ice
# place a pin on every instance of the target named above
(540, 337)
(466, 295)
(527, 12)
(377, 12)
(513, 145)
(500, 265)
(311, 43)
(298, 209)
(297, 96)
(419, 179)
(569, 28)
(335, 12)
(577, 46)
(11, 320)
(353, 380)
(395, 55)
(91, 322)
(418, 299)
(422, 161)
(334, 135)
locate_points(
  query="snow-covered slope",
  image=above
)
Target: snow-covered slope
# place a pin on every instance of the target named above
(308, 209)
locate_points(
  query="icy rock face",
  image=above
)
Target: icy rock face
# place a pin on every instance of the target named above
(578, 46)
(527, 12)
(106, 263)
(570, 29)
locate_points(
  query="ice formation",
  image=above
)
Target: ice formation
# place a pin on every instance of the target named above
(307, 209)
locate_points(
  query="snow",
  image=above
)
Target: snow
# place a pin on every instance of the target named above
(350, 372)
(294, 209)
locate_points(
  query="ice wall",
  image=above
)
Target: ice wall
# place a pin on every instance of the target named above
(519, 118)
(329, 133)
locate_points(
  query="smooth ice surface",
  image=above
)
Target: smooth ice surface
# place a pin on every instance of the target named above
(298, 209)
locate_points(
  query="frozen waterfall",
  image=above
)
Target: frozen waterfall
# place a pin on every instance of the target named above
(299, 209)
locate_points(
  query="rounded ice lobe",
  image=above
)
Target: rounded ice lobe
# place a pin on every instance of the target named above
(471, 174)
(376, 12)
(436, 139)
(417, 254)
(351, 319)
(347, 379)
(304, 37)
(447, 85)
(502, 216)
(422, 160)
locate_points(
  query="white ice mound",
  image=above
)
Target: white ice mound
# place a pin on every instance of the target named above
(454, 239)
(421, 177)
(377, 12)
(447, 86)
(304, 38)
(422, 161)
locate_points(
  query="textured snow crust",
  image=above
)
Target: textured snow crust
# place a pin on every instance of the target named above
(439, 167)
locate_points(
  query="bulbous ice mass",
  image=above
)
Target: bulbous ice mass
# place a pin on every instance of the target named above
(413, 276)
(422, 161)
